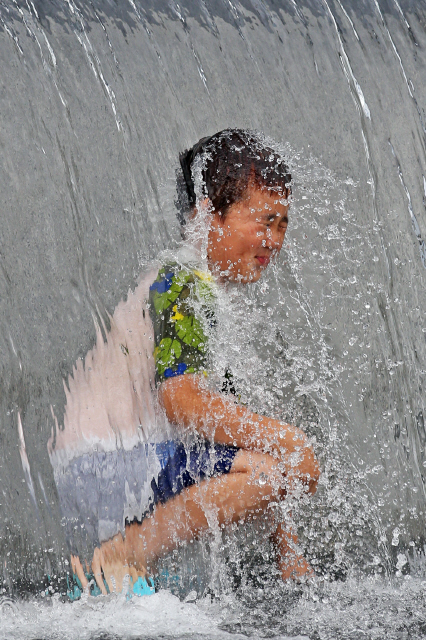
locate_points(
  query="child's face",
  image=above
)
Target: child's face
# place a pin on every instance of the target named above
(241, 246)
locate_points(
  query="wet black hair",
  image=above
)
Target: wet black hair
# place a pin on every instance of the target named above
(232, 160)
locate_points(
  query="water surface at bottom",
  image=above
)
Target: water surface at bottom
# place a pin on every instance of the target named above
(370, 608)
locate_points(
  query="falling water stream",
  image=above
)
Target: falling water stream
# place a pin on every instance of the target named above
(97, 99)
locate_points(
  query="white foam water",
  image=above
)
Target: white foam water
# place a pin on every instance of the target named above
(159, 615)
(357, 609)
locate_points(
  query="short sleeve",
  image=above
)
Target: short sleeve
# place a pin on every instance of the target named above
(179, 320)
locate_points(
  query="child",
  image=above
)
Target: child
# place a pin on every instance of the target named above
(217, 456)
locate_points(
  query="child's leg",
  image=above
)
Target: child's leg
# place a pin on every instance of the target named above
(253, 482)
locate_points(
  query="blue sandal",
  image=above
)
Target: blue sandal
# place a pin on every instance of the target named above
(142, 587)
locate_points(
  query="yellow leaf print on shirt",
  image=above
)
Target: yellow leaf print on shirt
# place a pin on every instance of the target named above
(177, 315)
(204, 275)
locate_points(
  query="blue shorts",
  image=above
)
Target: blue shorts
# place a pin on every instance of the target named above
(100, 492)
(182, 467)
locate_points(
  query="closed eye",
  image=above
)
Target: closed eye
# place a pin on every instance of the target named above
(269, 220)
(282, 224)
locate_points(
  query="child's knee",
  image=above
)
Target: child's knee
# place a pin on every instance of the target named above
(308, 469)
(280, 474)
(267, 475)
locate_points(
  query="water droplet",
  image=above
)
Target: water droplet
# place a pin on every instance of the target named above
(263, 479)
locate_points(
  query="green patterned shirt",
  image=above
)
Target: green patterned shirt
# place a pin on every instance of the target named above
(181, 306)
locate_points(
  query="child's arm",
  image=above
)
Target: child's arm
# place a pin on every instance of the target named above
(189, 403)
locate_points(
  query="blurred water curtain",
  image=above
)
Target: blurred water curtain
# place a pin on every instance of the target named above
(96, 101)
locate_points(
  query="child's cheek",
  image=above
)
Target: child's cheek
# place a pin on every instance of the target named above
(254, 236)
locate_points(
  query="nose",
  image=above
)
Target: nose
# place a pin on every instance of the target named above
(273, 240)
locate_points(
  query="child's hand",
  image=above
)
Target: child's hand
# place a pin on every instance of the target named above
(295, 567)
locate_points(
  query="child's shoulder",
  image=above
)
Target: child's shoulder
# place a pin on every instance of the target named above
(173, 281)
(173, 271)
(177, 282)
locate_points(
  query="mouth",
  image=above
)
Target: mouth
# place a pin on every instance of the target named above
(263, 260)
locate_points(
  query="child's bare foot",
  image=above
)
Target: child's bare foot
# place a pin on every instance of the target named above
(110, 560)
(295, 567)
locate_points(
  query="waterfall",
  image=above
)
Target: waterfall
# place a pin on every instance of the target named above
(97, 100)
